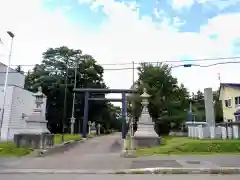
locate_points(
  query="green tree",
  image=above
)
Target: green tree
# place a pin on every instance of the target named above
(168, 101)
(199, 106)
(217, 107)
(56, 76)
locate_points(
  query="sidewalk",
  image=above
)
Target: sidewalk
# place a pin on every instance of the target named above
(187, 161)
(113, 161)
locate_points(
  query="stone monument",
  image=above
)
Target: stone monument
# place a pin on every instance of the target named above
(99, 129)
(92, 128)
(37, 135)
(145, 136)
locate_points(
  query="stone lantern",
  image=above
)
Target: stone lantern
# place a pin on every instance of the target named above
(145, 136)
(36, 122)
(39, 98)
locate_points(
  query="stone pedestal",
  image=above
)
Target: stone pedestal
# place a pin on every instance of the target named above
(229, 132)
(212, 132)
(235, 132)
(224, 132)
(35, 141)
(145, 136)
(200, 132)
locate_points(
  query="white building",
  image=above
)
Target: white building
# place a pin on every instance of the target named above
(19, 103)
(14, 78)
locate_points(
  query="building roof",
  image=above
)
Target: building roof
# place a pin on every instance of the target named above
(233, 85)
(10, 69)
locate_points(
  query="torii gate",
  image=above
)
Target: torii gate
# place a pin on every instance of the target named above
(87, 91)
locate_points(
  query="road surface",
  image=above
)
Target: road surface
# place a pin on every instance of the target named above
(103, 153)
(117, 177)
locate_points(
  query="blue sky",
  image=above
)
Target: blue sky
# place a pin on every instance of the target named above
(194, 16)
(78, 13)
(133, 30)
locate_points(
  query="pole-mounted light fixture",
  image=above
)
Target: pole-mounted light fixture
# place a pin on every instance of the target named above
(10, 34)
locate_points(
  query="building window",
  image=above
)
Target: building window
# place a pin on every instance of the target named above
(237, 117)
(237, 100)
(228, 103)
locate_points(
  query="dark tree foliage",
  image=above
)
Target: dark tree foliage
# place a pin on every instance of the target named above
(56, 75)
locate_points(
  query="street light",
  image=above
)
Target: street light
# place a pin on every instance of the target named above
(6, 78)
(10, 34)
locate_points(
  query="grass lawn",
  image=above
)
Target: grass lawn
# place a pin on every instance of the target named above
(67, 137)
(8, 149)
(184, 145)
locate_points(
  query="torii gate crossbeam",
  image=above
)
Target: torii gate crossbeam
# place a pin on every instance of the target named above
(87, 91)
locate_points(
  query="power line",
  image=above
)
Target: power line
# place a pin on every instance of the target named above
(176, 61)
(181, 65)
(186, 65)
(199, 60)
(220, 63)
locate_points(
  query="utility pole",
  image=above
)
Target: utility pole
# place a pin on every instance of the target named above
(190, 106)
(133, 106)
(219, 78)
(74, 96)
(65, 98)
(190, 114)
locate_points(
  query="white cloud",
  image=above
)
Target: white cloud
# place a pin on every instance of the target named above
(179, 4)
(124, 38)
(221, 4)
(129, 38)
(224, 26)
(35, 30)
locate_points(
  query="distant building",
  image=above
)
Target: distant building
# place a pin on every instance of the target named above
(19, 103)
(230, 97)
(14, 78)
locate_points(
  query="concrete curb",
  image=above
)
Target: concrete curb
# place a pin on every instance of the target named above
(57, 148)
(225, 170)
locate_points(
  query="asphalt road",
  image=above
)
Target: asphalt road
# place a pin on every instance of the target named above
(116, 177)
(103, 153)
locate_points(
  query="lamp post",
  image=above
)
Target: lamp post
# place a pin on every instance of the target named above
(6, 78)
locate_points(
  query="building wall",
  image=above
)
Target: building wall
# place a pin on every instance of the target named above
(7, 110)
(229, 93)
(23, 101)
(18, 101)
(14, 78)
